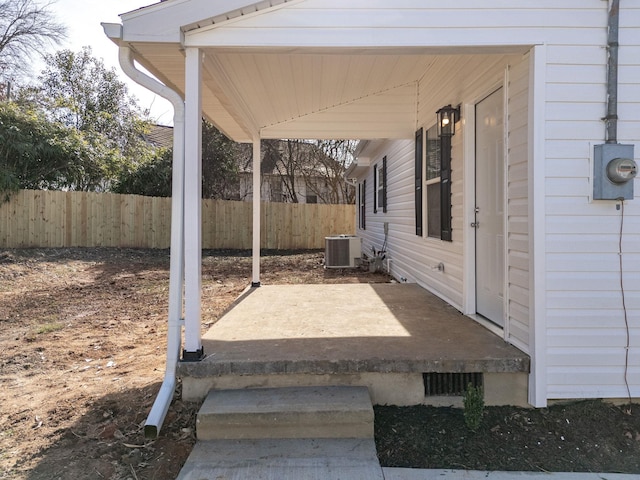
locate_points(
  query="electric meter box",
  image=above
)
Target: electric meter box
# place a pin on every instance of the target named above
(613, 172)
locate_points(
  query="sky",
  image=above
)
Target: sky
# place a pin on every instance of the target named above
(83, 18)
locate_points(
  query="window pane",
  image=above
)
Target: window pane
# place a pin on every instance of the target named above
(433, 154)
(433, 210)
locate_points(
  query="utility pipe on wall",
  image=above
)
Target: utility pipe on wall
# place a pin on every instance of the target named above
(611, 120)
(176, 276)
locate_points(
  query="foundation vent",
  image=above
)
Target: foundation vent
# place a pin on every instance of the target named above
(449, 384)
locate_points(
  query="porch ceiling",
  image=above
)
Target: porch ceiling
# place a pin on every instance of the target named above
(326, 94)
(277, 70)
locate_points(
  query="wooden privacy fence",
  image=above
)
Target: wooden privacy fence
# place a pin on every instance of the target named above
(48, 219)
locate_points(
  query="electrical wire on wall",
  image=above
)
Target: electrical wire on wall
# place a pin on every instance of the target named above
(624, 304)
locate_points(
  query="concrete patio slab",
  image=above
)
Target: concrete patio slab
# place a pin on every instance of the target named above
(349, 328)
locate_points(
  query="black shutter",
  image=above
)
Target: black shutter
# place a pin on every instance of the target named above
(359, 205)
(418, 181)
(375, 189)
(445, 188)
(364, 205)
(384, 184)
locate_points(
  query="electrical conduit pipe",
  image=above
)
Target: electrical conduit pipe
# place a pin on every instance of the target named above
(176, 277)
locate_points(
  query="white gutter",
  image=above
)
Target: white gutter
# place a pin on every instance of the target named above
(176, 276)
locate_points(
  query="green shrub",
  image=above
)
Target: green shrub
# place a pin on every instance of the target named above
(473, 402)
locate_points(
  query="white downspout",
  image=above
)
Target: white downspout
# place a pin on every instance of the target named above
(176, 276)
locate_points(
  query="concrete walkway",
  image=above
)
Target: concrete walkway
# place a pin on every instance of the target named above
(283, 459)
(330, 459)
(419, 474)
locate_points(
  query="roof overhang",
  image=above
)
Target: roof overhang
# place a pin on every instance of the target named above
(282, 86)
(358, 168)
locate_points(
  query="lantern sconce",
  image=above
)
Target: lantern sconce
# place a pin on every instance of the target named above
(447, 118)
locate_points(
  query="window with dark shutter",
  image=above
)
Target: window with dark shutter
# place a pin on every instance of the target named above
(432, 184)
(438, 185)
(445, 188)
(375, 189)
(384, 184)
(380, 186)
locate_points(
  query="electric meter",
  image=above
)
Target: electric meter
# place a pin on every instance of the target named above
(614, 169)
(621, 170)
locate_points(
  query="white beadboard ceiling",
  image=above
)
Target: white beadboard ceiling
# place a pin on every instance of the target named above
(300, 95)
(328, 87)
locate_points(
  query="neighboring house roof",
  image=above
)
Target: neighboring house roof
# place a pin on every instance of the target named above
(160, 136)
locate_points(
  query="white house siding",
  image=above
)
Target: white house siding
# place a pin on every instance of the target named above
(313, 23)
(518, 225)
(413, 257)
(586, 334)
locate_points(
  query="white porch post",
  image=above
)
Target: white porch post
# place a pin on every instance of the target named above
(255, 280)
(193, 204)
(537, 236)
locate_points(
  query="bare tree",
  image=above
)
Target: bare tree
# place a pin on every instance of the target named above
(26, 27)
(314, 169)
(326, 175)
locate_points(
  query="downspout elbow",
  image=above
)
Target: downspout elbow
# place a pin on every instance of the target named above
(125, 57)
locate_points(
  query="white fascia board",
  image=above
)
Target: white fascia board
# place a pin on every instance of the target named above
(164, 22)
(370, 147)
(362, 144)
(113, 31)
(257, 30)
(358, 167)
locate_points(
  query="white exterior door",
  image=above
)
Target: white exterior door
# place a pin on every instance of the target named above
(490, 208)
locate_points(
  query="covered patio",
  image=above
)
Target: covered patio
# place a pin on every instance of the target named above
(257, 72)
(386, 336)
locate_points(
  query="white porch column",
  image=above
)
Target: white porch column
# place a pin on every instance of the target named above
(537, 233)
(193, 204)
(255, 280)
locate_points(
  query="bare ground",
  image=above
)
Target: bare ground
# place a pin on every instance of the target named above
(82, 343)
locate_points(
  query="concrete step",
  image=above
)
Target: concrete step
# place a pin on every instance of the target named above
(290, 412)
(284, 459)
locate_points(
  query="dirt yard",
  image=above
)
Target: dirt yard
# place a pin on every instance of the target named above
(82, 344)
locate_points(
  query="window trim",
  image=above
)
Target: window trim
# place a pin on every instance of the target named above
(445, 188)
(435, 180)
(444, 179)
(380, 186)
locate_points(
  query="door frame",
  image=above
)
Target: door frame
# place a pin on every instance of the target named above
(469, 233)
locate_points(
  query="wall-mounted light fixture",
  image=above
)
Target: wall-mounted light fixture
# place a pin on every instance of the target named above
(447, 118)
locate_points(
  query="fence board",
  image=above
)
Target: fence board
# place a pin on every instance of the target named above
(49, 219)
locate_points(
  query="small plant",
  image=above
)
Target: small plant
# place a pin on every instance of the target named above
(473, 402)
(49, 328)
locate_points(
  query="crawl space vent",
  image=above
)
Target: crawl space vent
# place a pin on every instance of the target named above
(449, 384)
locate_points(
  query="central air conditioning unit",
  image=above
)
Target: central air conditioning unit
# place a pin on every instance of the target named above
(342, 251)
